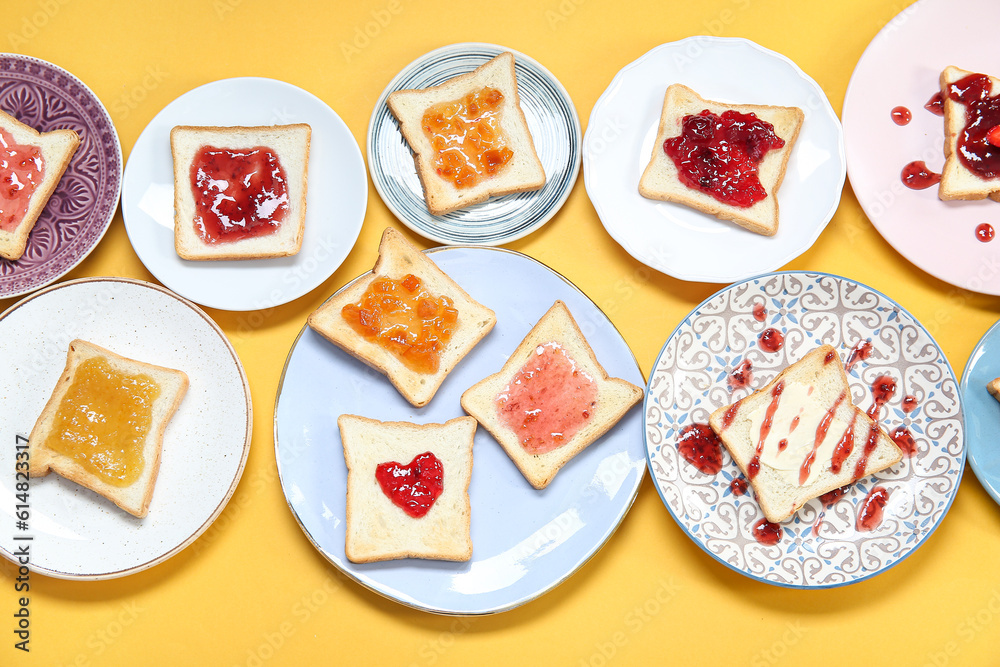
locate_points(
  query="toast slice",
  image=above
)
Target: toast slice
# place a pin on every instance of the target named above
(284, 145)
(993, 386)
(397, 258)
(53, 150)
(957, 180)
(660, 180)
(810, 393)
(522, 173)
(560, 375)
(380, 528)
(79, 401)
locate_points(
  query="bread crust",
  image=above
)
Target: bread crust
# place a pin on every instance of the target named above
(58, 148)
(958, 182)
(397, 258)
(377, 529)
(136, 497)
(660, 179)
(291, 143)
(522, 174)
(615, 397)
(778, 499)
(993, 386)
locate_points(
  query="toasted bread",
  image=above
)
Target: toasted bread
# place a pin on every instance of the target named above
(814, 391)
(993, 386)
(396, 259)
(522, 173)
(56, 148)
(52, 425)
(613, 397)
(957, 180)
(660, 179)
(288, 143)
(379, 529)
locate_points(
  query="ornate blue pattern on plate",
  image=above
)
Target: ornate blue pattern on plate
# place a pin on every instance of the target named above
(983, 410)
(554, 126)
(820, 547)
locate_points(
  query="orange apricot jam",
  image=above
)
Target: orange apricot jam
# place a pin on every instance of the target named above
(467, 137)
(406, 320)
(103, 419)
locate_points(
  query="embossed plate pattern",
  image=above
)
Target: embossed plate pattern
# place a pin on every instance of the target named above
(80, 209)
(818, 549)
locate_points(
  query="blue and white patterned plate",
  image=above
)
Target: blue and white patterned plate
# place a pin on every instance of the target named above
(554, 127)
(983, 410)
(820, 547)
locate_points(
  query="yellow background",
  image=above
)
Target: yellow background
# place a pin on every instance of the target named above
(650, 595)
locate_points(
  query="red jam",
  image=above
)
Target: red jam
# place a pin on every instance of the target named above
(985, 232)
(830, 497)
(771, 340)
(901, 116)
(882, 390)
(844, 446)
(405, 319)
(759, 311)
(413, 487)
(821, 431)
(765, 427)
(917, 176)
(719, 155)
(548, 401)
(21, 172)
(700, 447)
(870, 514)
(871, 442)
(982, 114)
(909, 403)
(860, 352)
(738, 487)
(904, 440)
(741, 376)
(767, 533)
(730, 414)
(935, 104)
(238, 194)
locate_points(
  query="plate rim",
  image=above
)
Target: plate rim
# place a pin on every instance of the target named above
(826, 107)
(374, 161)
(244, 456)
(960, 463)
(335, 117)
(412, 604)
(115, 200)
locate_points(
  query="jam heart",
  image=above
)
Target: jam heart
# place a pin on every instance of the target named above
(413, 487)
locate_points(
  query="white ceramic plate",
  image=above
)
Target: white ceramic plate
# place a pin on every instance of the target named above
(820, 547)
(679, 240)
(525, 541)
(900, 68)
(983, 411)
(77, 534)
(554, 127)
(335, 205)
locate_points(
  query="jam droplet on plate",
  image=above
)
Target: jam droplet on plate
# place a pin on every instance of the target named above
(917, 176)
(985, 232)
(548, 400)
(700, 447)
(718, 155)
(909, 403)
(860, 352)
(413, 487)
(21, 172)
(759, 311)
(738, 487)
(904, 440)
(767, 533)
(741, 376)
(901, 115)
(883, 388)
(771, 340)
(935, 104)
(830, 497)
(870, 513)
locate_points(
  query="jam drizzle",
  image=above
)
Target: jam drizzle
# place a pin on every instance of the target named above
(765, 427)
(828, 499)
(821, 431)
(871, 442)
(860, 352)
(741, 376)
(701, 447)
(870, 514)
(904, 440)
(935, 104)
(844, 446)
(909, 403)
(883, 389)
(22, 170)
(917, 176)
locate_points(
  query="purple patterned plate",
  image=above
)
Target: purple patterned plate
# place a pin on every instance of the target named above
(47, 97)
(821, 546)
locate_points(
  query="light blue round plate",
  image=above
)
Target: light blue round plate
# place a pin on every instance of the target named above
(983, 410)
(554, 127)
(525, 541)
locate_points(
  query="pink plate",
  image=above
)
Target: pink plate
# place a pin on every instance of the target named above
(901, 68)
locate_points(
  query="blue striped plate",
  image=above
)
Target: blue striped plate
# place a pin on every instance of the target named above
(554, 126)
